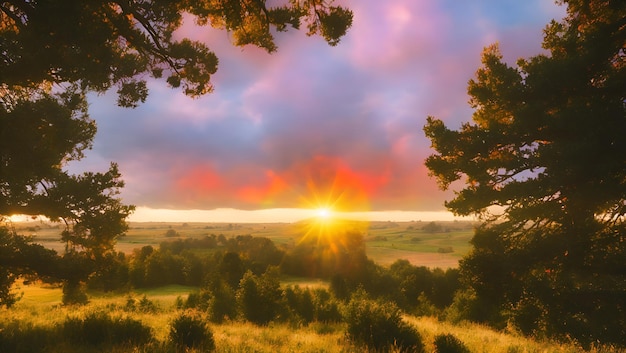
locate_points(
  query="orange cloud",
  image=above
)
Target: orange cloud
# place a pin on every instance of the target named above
(322, 181)
(199, 180)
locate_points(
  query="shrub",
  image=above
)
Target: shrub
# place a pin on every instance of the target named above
(16, 337)
(190, 331)
(171, 233)
(197, 300)
(447, 343)
(99, 328)
(300, 303)
(326, 306)
(466, 306)
(379, 326)
(144, 305)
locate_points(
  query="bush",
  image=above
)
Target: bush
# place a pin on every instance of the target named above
(171, 233)
(326, 306)
(16, 337)
(447, 343)
(300, 303)
(190, 331)
(197, 300)
(144, 305)
(379, 326)
(99, 328)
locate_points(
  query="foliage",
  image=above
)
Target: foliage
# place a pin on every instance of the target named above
(99, 328)
(143, 305)
(17, 337)
(432, 227)
(259, 297)
(327, 308)
(223, 303)
(434, 286)
(113, 273)
(103, 44)
(179, 262)
(190, 331)
(171, 233)
(543, 167)
(40, 133)
(338, 251)
(379, 326)
(231, 268)
(74, 293)
(35, 325)
(448, 343)
(300, 303)
(20, 257)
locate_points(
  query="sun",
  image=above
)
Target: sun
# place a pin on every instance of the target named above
(323, 213)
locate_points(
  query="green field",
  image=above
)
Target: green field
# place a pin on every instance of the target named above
(385, 242)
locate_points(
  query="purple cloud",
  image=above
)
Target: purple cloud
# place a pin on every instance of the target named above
(349, 116)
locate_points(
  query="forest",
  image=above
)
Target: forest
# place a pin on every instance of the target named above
(540, 167)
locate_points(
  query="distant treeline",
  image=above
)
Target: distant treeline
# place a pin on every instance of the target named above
(202, 261)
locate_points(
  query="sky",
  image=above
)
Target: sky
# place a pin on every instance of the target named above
(312, 125)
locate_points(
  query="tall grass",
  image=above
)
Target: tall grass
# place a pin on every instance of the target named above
(40, 312)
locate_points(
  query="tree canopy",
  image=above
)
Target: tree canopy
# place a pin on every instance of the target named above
(542, 163)
(104, 44)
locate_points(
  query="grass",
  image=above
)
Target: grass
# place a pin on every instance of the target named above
(39, 307)
(385, 243)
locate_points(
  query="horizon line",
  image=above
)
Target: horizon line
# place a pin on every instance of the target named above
(282, 215)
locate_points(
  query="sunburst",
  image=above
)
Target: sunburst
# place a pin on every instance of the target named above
(323, 213)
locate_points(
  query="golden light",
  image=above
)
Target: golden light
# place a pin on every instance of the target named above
(323, 213)
(329, 240)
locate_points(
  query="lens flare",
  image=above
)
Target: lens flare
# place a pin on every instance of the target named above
(323, 213)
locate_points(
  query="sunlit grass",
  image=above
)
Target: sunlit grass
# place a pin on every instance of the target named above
(40, 307)
(246, 337)
(479, 338)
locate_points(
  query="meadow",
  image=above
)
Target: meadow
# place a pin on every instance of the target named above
(41, 307)
(41, 304)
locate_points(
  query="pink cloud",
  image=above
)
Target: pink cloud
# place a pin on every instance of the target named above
(311, 120)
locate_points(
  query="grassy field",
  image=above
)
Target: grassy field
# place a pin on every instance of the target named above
(385, 242)
(40, 307)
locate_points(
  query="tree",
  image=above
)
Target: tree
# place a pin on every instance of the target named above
(259, 297)
(432, 227)
(39, 133)
(543, 162)
(20, 257)
(104, 44)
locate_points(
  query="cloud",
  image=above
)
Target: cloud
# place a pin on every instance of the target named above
(313, 123)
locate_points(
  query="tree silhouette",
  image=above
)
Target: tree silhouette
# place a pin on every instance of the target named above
(543, 163)
(104, 44)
